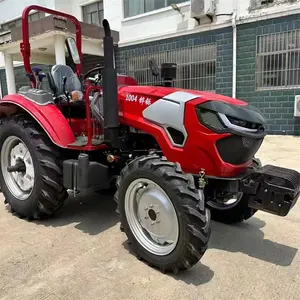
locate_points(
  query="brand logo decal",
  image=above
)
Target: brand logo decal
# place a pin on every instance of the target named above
(138, 99)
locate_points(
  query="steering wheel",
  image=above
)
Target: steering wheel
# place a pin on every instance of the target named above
(88, 80)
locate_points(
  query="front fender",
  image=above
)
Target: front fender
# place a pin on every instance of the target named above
(49, 117)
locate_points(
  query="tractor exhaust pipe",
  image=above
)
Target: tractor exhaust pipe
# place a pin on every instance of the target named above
(110, 90)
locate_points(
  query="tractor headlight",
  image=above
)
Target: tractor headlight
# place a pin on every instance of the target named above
(209, 119)
(222, 117)
(237, 122)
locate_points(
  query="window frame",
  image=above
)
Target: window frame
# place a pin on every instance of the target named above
(86, 6)
(167, 3)
(286, 71)
(189, 60)
(255, 5)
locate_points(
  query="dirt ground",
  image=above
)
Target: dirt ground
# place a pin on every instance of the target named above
(81, 254)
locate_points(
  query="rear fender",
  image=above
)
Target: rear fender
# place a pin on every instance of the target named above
(49, 117)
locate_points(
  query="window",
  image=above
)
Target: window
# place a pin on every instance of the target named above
(261, 3)
(278, 60)
(18, 22)
(137, 7)
(93, 13)
(196, 66)
(258, 4)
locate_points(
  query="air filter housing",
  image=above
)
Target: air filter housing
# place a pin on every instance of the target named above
(168, 71)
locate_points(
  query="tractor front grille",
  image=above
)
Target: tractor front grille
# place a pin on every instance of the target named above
(238, 150)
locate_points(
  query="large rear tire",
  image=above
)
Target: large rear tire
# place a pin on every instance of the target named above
(162, 213)
(236, 211)
(36, 190)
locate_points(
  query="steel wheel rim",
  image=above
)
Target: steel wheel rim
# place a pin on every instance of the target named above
(20, 184)
(230, 203)
(160, 238)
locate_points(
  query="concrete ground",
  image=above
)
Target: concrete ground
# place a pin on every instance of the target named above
(81, 254)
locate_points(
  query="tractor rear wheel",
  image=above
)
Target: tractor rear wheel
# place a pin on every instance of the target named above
(31, 171)
(234, 209)
(162, 213)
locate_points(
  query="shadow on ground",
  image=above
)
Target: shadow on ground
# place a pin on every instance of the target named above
(248, 238)
(94, 213)
(198, 275)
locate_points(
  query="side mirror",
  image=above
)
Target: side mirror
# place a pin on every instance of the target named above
(153, 67)
(73, 51)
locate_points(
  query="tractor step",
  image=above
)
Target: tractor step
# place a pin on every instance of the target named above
(272, 189)
(83, 175)
(83, 140)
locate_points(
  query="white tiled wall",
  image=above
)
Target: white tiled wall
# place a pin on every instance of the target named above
(158, 23)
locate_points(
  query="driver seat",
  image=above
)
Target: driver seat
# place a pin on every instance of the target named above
(55, 78)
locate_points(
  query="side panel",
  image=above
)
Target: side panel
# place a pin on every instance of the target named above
(48, 116)
(153, 114)
(169, 112)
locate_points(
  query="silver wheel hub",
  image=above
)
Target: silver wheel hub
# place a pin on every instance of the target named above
(20, 183)
(229, 201)
(151, 217)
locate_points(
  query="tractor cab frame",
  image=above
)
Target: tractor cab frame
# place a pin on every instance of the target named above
(25, 44)
(73, 94)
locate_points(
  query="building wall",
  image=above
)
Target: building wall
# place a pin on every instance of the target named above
(166, 22)
(113, 9)
(277, 105)
(11, 9)
(65, 5)
(161, 22)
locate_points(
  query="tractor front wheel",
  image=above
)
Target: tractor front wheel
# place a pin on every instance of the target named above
(232, 210)
(162, 213)
(30, 172)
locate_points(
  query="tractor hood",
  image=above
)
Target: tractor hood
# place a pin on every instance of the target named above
(228, 109)
(208, 96)
(163, 92)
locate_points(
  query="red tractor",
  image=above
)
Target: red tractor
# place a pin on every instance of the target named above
(176, 157)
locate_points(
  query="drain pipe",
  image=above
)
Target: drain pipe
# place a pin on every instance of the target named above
(234, 50)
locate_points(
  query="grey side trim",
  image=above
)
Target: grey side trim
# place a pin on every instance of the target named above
(228, 124)
(169, 112)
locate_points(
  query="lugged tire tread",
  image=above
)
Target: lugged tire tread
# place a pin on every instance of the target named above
(184, 187)
(52, 193)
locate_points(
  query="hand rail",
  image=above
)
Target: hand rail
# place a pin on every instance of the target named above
(88, 112)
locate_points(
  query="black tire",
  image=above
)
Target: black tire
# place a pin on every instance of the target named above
(48, 193)
(238, 213)
(193, 217)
